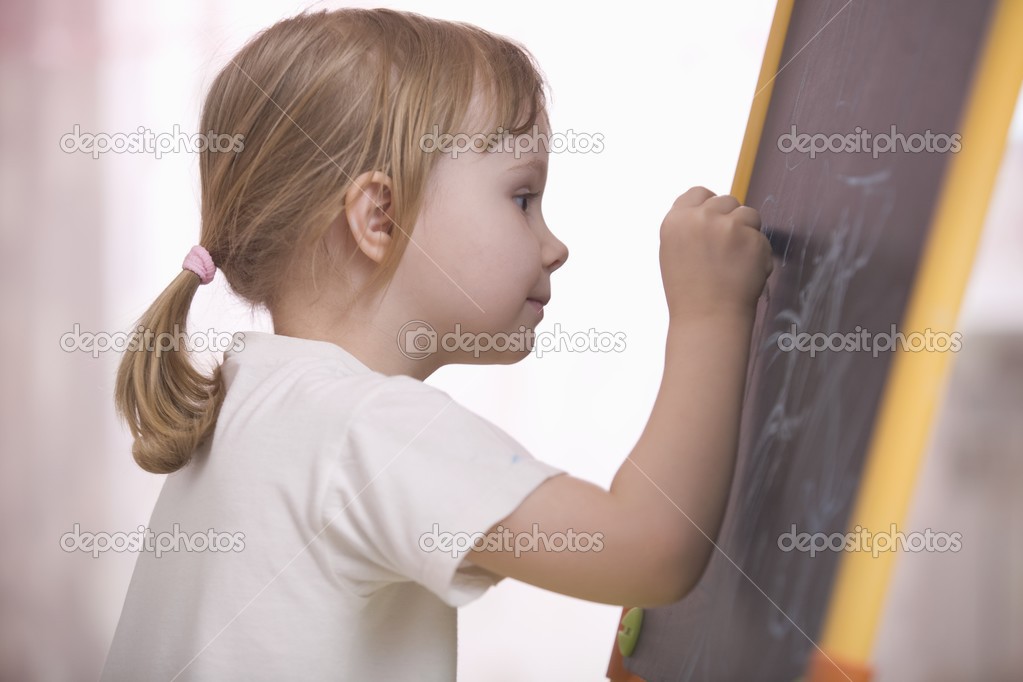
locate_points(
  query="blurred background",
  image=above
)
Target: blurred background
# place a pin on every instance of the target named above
(88, 243)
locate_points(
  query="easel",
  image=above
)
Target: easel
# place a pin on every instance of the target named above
(914, 383)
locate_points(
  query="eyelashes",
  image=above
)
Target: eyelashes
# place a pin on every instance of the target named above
(528, 199)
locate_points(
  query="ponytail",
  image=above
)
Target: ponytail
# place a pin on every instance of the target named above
(169, 406)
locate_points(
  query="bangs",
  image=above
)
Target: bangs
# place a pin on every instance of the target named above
(509, 91)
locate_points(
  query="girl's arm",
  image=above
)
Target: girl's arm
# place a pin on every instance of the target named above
(668, 499)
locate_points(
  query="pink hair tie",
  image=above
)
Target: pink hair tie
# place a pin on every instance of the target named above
(199, 261)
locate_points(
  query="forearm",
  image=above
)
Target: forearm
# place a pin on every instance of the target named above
(678, 475)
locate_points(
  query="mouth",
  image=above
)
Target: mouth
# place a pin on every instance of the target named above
(537, 304)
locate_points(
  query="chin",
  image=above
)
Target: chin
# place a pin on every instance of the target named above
(494, 357)
(503, 345)
(509, 357)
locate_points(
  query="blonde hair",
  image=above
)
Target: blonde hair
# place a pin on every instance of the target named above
(320, 98)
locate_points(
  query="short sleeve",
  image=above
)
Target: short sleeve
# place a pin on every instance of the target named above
(419, 476)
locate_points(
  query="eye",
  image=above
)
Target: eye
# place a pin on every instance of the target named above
(526, 198)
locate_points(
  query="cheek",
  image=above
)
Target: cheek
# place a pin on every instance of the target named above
(508, 277)
(497, 266)
(475, 256)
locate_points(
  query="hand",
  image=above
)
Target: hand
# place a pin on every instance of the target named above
(713, 256)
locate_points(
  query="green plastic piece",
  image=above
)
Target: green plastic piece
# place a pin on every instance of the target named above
(629, 633)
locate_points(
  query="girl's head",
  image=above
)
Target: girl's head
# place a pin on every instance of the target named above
(335, 200)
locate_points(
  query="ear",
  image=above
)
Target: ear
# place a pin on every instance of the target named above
(368, 210)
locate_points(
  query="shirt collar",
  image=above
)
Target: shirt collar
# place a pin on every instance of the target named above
(264, 347)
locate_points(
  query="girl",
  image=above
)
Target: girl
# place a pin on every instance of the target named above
(322, 500)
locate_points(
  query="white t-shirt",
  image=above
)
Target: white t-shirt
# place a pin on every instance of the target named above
(333, 473)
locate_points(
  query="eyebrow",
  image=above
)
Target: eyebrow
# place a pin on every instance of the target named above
(534, 163)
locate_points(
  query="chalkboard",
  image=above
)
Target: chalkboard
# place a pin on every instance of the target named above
(849, 227)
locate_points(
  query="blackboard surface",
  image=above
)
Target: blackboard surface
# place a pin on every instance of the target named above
(852, 226)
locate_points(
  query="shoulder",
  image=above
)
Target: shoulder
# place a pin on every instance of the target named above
(409, 413)
(412, 401)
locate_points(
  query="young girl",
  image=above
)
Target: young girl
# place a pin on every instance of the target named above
(322, 500)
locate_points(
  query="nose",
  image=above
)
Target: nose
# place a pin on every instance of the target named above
(555, 252)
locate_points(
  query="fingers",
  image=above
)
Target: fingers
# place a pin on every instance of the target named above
(724, 204)
(743, 215)
(768, 256)
(748, 216)
(728, 205)
(694, 196)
